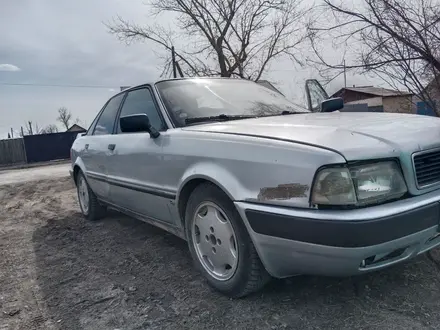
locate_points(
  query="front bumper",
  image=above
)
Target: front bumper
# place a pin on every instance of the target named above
(341, 243)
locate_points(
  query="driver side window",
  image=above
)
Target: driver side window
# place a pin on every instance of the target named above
(141, 101)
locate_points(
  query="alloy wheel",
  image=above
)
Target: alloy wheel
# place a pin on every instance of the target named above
(215, 241)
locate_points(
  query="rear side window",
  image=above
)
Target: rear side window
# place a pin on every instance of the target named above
(141, 101)
(92, 126)
(107, 119)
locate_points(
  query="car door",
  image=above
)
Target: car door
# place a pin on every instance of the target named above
(95, 148)
(136, 163)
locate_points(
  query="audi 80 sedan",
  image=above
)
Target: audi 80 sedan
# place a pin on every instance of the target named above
(259, 186)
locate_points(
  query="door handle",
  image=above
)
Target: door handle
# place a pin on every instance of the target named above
(111, 147)
(86, 146)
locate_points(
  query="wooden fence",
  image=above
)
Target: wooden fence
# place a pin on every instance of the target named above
(12, 152)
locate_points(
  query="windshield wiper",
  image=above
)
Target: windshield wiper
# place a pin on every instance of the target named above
(224, 117)
(221, 117)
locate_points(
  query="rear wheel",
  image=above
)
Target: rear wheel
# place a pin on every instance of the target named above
(220, 244)
(88, 202)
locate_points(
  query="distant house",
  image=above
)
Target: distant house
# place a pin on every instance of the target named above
(426, 108)
(377, 99)
(76, 128)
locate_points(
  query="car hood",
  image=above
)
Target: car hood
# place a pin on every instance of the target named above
(355, 135)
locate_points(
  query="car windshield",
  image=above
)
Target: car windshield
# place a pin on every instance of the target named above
(187, 99)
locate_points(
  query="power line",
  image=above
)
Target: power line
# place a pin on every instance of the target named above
(55, 85)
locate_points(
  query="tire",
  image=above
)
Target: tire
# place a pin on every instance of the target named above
(238, 276)
(92, 210)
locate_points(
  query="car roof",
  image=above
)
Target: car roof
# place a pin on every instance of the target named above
(172, 79)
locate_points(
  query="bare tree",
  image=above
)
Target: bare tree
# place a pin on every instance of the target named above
(222, 38)
(52, 128)
(64, 117)
(29, 128)
(397, 40)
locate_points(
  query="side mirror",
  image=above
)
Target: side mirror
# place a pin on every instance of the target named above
(138, 123)
(331, 105)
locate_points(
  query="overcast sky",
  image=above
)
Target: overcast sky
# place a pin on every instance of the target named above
(64, 42)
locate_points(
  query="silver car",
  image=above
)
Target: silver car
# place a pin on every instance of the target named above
(260, 186)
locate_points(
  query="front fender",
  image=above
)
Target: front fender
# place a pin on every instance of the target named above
(218, 175)
(78, 163)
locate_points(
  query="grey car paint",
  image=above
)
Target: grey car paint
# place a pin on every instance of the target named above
(137, 161)
(93, 158)
(249, 159)
(283, 257)
(355, 136)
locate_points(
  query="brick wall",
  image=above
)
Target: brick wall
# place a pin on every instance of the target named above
(434, 93)
(398, 104)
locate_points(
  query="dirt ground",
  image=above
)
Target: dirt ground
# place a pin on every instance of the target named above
(58, 271)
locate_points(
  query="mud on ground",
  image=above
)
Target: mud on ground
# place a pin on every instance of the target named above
(58, 271)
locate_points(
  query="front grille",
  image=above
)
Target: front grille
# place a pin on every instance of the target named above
(427, 168)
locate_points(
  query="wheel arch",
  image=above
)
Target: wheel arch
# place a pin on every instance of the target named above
(77, 167)
(252, 275)
(205, 173)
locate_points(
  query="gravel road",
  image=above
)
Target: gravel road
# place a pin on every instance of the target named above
(34, 173)
(58, 271)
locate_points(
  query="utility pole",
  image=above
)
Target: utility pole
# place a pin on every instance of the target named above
(345, 75)
(12, 133)
(173, 60)
(179, 69)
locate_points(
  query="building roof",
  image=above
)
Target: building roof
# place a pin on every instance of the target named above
(371, 90)
(75, 127)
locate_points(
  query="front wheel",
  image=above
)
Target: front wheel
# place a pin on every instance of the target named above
(220, 244)
(88, 202)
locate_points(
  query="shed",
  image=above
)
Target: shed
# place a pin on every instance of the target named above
(76, 128)
(381, 99)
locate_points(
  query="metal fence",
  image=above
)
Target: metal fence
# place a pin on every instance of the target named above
(12, 152)
(46, 147)
(36, 148)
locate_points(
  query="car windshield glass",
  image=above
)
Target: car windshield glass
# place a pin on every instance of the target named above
(187, 99)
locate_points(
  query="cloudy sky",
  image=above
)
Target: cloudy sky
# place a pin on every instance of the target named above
(64, 42)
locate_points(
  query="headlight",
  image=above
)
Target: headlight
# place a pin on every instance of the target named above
(358, 185)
